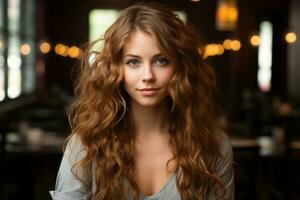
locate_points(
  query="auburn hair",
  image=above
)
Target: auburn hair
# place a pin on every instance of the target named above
(99, 116)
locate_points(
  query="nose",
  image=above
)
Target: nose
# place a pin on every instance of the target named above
(148, 75)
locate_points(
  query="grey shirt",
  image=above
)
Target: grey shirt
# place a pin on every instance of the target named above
(69, 187)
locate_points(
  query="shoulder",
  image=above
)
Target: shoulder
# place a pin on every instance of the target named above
(73, 181)
(74, 149)
(224, 158)
(224, 144)
(223, 167)
(74, 153)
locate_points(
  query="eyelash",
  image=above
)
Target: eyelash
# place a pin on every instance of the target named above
(130, 62)
(158, 61)
(165, 61)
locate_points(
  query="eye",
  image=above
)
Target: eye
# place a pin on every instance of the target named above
(133, 62)
(161, 61)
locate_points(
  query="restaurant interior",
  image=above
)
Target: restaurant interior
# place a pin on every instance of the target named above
(252, 45)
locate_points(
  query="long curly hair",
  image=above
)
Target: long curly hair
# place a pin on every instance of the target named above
(99, 116)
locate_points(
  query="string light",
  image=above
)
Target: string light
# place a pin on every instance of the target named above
(25, 49)
(74, 52)
(65, 51)
(235, 45)
(213, 50)
(208, 50)
(291, 37)
(227, 44)
(45, 47)
(61, 49)
(220, 49)
(255, 40)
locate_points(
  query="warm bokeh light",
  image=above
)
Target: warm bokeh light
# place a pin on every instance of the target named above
(61, 49)
(220, 49)
(74, 52)
(232, 13)
(45, 47)
(66, 51)
(213, 50)
(226, 15)
(235, 45)
(227, 44)
(1, 44)
(206, 51)
(195, 0)
(291, 37)
(255, 40)
(25, 49)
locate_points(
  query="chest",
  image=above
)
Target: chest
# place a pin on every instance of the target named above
(155, 166)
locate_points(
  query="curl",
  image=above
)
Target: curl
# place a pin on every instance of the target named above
(100, 114)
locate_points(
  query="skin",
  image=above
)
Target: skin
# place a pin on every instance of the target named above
(146, 67)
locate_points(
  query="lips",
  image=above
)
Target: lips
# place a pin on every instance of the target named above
(148, 91)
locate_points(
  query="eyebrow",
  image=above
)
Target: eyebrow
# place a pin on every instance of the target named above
(136, 56)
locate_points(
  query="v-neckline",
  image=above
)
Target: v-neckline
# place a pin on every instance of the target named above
(162, 189)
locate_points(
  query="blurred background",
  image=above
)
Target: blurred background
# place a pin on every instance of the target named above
(251, 44)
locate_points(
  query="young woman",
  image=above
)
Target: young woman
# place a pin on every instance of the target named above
(142, 124)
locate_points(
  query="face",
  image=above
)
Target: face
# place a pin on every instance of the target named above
(147, 73)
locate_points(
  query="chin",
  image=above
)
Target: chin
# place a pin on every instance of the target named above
(148, 102)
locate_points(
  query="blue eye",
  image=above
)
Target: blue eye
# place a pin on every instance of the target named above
(161, 61)
(132, 62)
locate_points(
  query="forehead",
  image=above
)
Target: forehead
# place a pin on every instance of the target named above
(140, 42)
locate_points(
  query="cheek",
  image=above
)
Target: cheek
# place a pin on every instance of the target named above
(167, 76)
(129, 78)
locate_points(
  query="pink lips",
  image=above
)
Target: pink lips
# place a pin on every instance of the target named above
(148, 91)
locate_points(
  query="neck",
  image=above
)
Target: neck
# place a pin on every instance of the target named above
(150, 120)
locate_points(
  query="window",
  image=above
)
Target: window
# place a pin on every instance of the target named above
(264, 74)
(101, 19)
(2, 79)
(17, 48)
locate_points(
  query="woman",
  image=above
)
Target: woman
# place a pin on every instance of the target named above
(143, 124)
